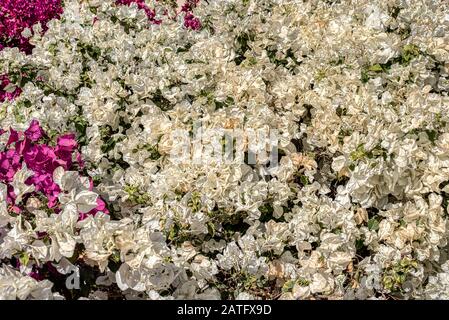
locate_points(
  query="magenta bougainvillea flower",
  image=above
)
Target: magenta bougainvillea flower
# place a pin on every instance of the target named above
(18, 15)
(33, 148)
(190, 21)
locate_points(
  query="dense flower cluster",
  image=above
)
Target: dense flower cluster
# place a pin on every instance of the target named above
(18, 19)
(356, 208)
(36, 163)
(143, 6)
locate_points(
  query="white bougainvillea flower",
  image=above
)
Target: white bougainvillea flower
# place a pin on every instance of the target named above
(20, 188)
(77, 197)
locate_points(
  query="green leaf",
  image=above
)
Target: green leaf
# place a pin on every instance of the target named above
(432, 134)
(376, 68)
(211, 228)
(373, 224)
(288, 286)
(359, 243)
(24, 258)
(364, 77)
(304, 180)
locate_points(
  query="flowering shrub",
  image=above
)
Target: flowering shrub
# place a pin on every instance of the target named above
(115, 163)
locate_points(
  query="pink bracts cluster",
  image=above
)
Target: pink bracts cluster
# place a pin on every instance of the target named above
(32, 148)
(190, 21)
(17, 15)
